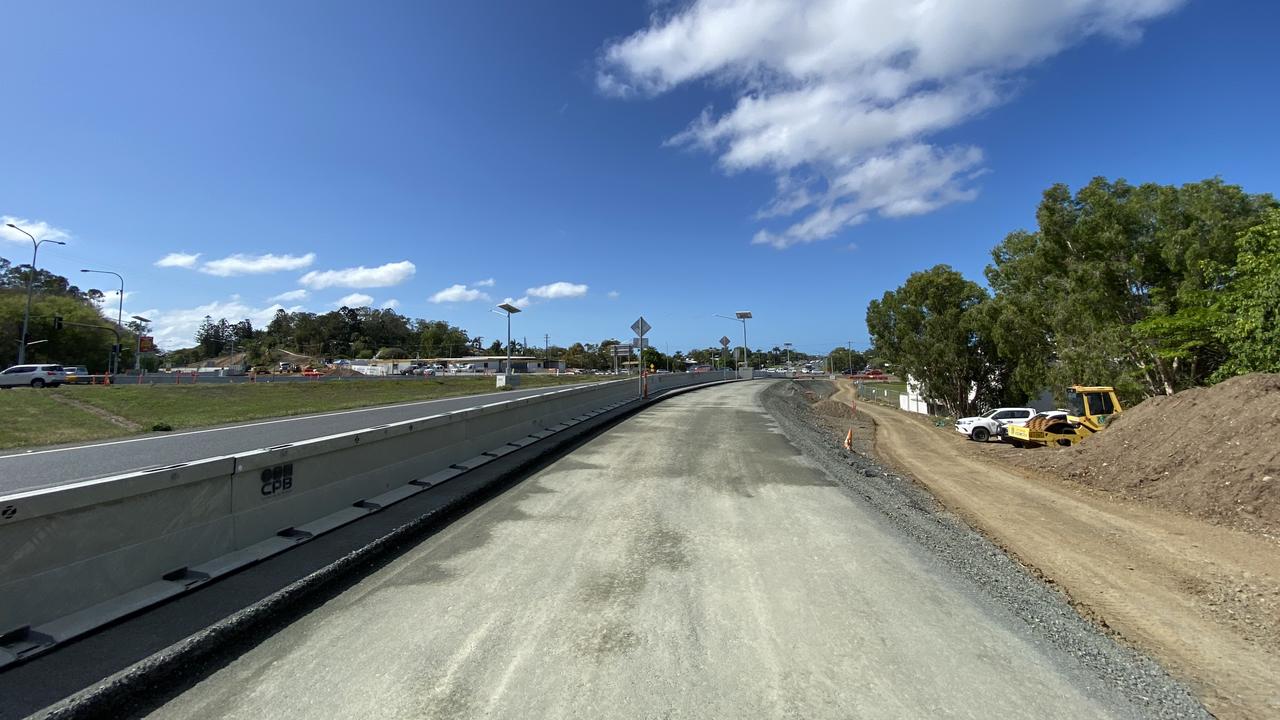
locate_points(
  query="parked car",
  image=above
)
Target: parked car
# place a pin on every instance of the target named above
(36, 376)
(424, 370)
(77, 374)
(988, 424)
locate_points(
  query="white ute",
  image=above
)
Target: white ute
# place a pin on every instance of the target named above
(987, 425)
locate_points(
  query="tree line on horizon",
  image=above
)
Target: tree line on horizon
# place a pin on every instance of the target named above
(1148, 288)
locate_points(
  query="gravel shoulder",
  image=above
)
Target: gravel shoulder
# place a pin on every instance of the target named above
(1199, 597)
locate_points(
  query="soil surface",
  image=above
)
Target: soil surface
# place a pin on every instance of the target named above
(1212, 452)
(1202, 598)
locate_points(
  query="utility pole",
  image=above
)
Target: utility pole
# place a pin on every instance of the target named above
(849, 355)
(546, 351)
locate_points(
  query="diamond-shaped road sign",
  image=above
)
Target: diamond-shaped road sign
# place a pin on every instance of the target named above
(641, 327)
(724, 341)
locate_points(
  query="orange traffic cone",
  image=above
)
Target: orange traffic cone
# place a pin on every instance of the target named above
(848, 440)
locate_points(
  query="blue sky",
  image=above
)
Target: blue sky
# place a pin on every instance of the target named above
(598, 161)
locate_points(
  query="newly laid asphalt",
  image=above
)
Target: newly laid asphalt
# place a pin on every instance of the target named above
(689, 562)
(30, 469)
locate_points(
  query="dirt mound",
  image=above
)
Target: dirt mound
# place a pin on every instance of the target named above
(1212, 451)
(233, 360)
(833, 408)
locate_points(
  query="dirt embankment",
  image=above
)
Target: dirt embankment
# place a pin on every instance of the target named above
(1212, 452)
(1202, 598)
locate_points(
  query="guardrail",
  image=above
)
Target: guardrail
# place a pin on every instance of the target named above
(82, 555)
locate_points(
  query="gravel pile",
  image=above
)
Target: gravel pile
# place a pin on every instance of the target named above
(1106, 667)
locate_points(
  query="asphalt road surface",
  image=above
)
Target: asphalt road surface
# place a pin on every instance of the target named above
(687, 563)
(30, 469)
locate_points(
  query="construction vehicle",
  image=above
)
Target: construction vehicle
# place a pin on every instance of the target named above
(1088, 411)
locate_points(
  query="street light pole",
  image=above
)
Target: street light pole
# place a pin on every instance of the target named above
(137, 357)
(741, 316)
(115, 351)
(509, 310)
(31, 277)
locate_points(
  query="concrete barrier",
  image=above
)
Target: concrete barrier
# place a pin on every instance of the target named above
(85, 554)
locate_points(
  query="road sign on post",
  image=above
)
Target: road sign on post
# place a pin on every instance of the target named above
(641, 327)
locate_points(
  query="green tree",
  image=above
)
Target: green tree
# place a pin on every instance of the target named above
(1116, 285)
(1247, 313)
(930, 328)
(84, 339)
(843, 359)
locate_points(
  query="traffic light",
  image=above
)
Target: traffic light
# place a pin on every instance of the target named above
(57, 322)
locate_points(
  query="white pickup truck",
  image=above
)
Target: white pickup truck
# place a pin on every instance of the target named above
(987, 425)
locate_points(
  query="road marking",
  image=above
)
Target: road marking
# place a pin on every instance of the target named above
(33, 453)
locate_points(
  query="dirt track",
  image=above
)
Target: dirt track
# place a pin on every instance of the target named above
(1181, 589)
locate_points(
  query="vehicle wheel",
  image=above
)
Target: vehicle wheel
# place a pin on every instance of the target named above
(1064, 443)
(37, 383)
(980, 434)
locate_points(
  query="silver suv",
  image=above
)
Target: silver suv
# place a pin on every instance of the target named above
(36, 376)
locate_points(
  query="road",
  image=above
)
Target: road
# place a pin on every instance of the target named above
(31, 469)
(1174, 585)
(687, 563)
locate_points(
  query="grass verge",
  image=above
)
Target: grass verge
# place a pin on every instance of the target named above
(33, 418)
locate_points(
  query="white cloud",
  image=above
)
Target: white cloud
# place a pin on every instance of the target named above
(177, 328)
(178, 260)
(485, 283)
(837, 97)
(613, 294)
(391, 304)
(240, 264)
(557, 290)
(110, 308)
(361, 277)
(292, 295)
(40, 229)
(111, 300)
(459, 293)
(355, 300)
